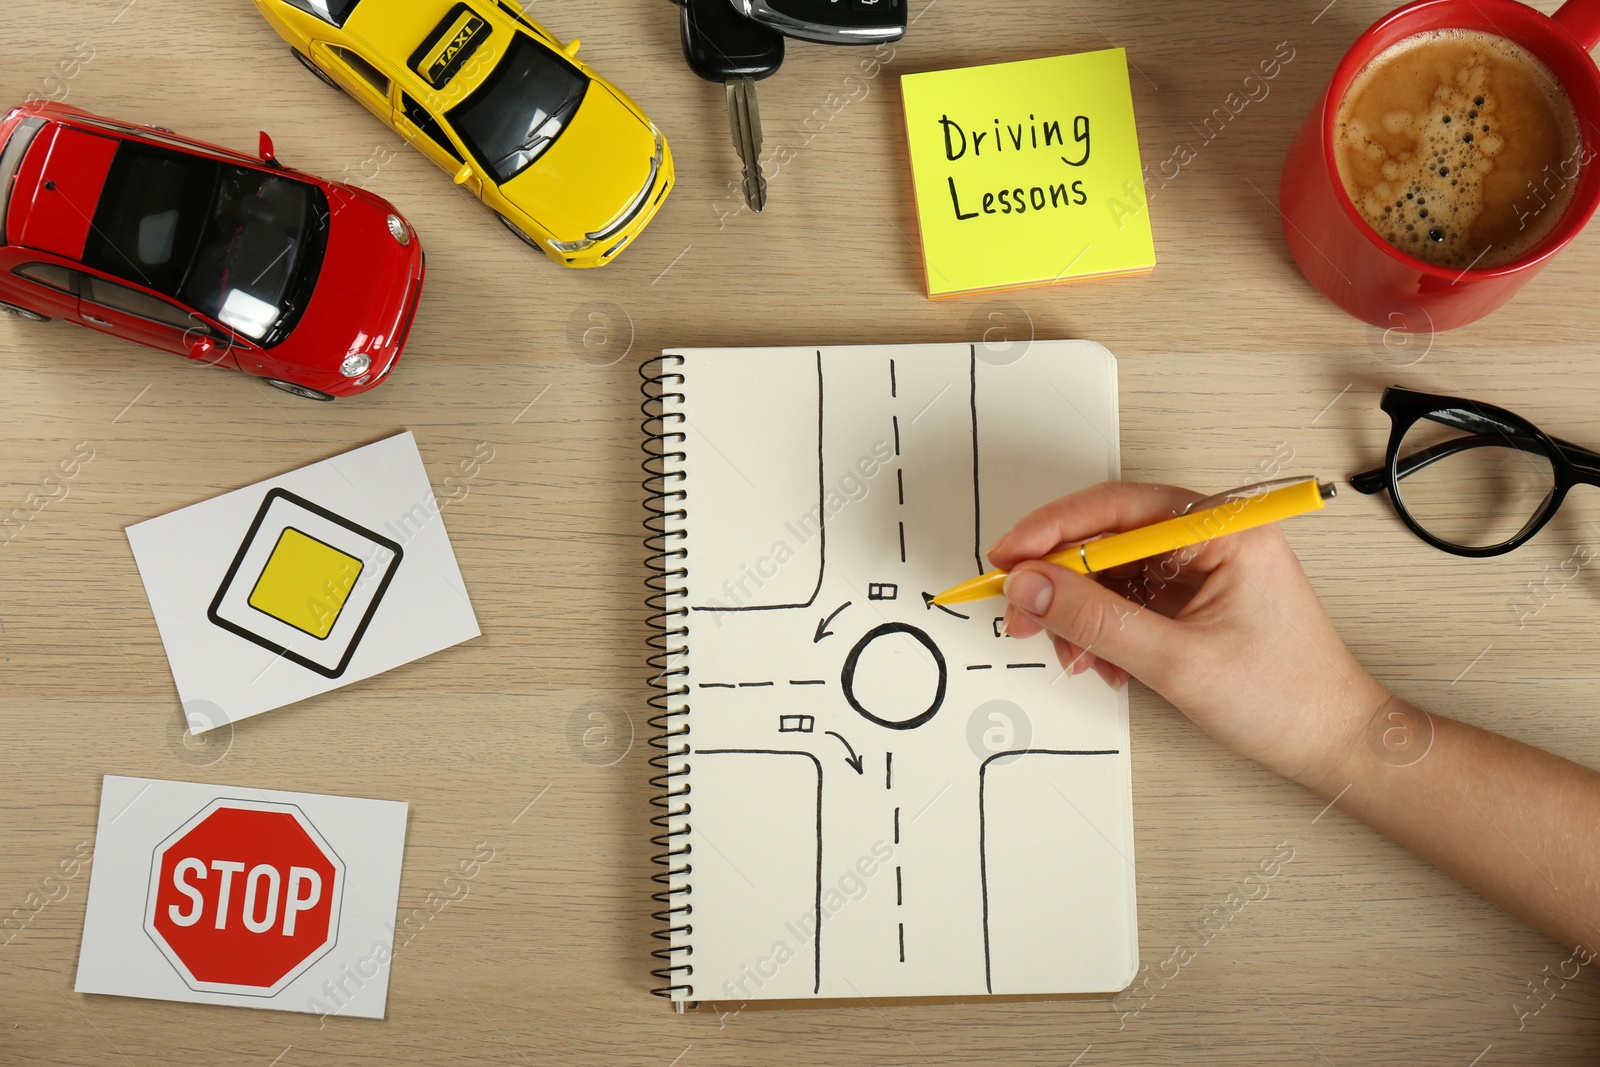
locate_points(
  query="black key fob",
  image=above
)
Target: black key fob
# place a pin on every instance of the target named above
(830, 21)
(720, 44)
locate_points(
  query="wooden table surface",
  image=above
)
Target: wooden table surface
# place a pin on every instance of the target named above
(1228, 360)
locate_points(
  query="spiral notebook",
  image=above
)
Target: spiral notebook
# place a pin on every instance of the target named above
(862, 794)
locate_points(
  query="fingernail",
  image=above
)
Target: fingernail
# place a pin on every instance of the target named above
(1005, 626)
(1030, 591)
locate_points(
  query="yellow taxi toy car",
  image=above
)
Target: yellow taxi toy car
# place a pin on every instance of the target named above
(568, 162)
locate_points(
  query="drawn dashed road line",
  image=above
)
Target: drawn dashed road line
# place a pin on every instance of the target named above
(758, 685)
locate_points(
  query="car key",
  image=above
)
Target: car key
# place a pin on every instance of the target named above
(723, 46)
(830, 21)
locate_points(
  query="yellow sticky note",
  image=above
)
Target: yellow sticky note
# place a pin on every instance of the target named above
(1027, 173)
(305, 583)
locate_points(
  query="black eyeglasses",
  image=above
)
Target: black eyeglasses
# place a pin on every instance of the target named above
(1471, 478)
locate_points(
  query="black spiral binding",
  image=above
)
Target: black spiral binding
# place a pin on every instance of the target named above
(665, 498)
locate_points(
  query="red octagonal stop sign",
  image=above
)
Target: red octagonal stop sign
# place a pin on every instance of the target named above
(244, 897)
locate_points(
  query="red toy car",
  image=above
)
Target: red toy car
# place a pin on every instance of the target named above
(191, 248)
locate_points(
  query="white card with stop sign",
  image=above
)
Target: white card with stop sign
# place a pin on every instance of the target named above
(252, 897)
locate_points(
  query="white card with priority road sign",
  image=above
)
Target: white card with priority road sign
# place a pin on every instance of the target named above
(303, 583)
(253, 897)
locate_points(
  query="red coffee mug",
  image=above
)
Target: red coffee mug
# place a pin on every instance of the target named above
(1347, 260)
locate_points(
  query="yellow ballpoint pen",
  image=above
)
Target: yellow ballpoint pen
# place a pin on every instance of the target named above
(1204, 520)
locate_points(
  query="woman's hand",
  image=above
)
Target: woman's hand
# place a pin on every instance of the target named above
(1230, 631)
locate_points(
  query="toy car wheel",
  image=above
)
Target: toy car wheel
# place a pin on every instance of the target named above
(529, 241)
(298, 390)
(23, 313)
(322, 75)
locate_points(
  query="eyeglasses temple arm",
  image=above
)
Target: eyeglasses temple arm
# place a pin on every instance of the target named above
(1375, 480)
(1370, 482)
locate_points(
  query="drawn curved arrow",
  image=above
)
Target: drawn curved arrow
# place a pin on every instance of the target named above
(822, 627)
(927, 602)
(855, 761)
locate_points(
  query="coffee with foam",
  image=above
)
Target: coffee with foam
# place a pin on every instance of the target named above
(1459, 147)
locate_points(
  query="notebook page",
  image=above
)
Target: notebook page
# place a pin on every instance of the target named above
(888, 798)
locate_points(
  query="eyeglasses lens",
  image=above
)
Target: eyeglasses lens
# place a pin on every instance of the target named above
(1472, 487)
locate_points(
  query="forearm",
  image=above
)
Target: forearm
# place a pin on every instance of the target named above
(1517, 824)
